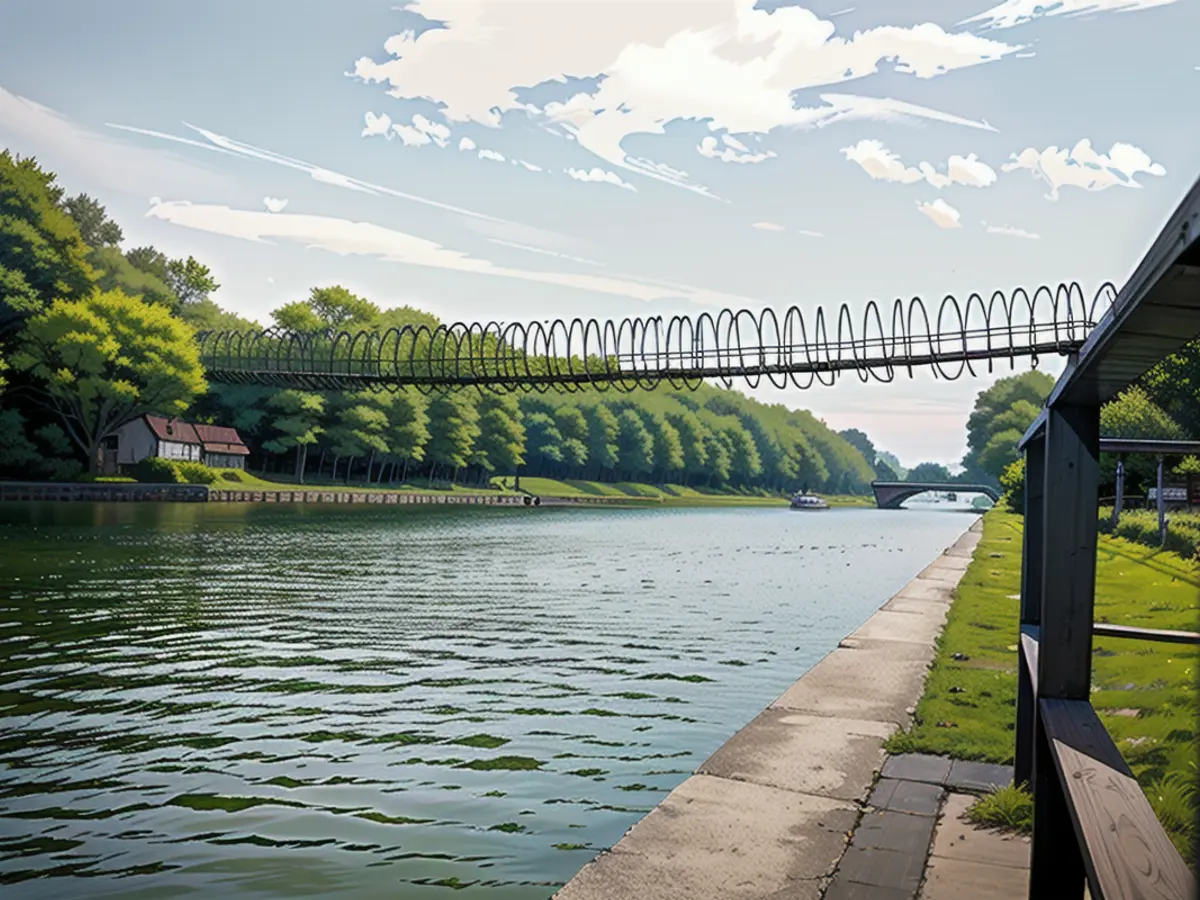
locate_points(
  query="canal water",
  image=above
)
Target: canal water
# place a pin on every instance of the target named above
(260, 701)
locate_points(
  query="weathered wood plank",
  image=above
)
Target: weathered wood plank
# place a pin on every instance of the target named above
(1069, 551)
(1126, 853)
(1102, 629)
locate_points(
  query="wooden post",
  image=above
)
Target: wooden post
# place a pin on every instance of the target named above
(1162, 506)
(1031, 604)
(1072, 481)
(1120, 498)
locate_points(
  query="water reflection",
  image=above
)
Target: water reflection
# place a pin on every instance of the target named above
(277, 701)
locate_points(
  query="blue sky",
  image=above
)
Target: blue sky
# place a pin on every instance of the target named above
(516, 159)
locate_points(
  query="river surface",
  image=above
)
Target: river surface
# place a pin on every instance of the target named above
(260, 701)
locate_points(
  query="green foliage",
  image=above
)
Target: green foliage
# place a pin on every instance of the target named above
(1135, 415)
(154, 470)
(999, 419)
(1174, 800)
(39, 241)
(115, 273)
(860, 442)
(190, 280)
(602, 436)
(1008, 808)
(91, 218)
(892, 462)
(453, 428)
(1174, 385)
(105, 360)
(1141, 527)
(635, 446)
(196, 473)
(1012, 482)
(929, 472)
(297, 422)
(500, 446)
(543, 440)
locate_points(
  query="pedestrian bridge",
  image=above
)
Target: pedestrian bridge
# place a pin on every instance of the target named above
(892, 494)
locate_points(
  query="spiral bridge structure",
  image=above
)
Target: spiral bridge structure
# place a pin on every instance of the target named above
(792, 348)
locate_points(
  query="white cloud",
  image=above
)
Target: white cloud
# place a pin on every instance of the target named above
(941, 213)
(1018, 12)
(528, 165)
(767, 226)
(542, 252)
(1083, 167)
(1012, 232)
(733, 151)
(601, 176)
(814, 234)
(94, 158)
(491, 154)
(743, 65)
(271, 203)
(377, 126)
(421, 132)
(345, 238)
(466, 144)
(883, 165)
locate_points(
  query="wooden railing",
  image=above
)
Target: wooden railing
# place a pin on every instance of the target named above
(1082, 787)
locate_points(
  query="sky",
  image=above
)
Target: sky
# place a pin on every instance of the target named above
(527, 159)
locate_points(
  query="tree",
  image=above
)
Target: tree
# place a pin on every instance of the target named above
(543, 441)
(298, 316)
(1134, 415)
(884, 472)
(105, 360)
(892, 462)
(635, 446)
(668, 448)
(338, 308)
(114, 272)
(1174, 386)
(860, 442)
(189, 280)
(453, 427)
(299, 425)
(42, 255)
(602, 437)
(927, 472)
(95, 227)
(691, 438)
(1010, 404)
(357, 431)
(716, 455)
(149, 260)
(408, 427)
(500, 446)
(744, 464)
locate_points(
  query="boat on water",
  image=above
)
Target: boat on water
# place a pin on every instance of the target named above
(808, 501)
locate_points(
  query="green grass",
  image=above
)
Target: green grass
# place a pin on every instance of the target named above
(1009, 808)
(1144, 693)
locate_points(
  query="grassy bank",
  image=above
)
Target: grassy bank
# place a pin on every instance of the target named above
(1144, 693)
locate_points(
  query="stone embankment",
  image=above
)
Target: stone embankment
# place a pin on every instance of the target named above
(769, 813)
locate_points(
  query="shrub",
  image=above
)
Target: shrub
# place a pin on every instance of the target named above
(108, 479)
(154, 470)
(1141, 527)
(232, 475)
(1012, 480)
(198, 473)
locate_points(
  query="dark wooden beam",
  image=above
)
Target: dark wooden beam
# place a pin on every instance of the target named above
(1101, 629)
(1126, 853)
(1031, 607)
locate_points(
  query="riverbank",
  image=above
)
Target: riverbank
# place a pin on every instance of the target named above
(770, 811)
(534, 492)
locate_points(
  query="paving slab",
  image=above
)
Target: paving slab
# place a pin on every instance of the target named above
(917, 767)
(958, 839)
(714, 838)
(849, 890)
(976, 776)
(903, 604)
(871, 682)
(883, 868)
(883, 829)
(953, 879)
(925, 589)
(912, 797)
(823, 755)
(920, 628)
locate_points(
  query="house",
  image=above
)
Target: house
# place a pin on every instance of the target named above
(222, 447)
(180, 441)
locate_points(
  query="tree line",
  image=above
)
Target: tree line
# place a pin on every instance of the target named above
(93, 336)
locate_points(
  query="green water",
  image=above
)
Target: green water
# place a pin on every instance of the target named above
(274, 701)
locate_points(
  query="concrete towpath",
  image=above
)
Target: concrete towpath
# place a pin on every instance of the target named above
(770, 814)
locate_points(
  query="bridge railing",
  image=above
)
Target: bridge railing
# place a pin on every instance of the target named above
(789, 348)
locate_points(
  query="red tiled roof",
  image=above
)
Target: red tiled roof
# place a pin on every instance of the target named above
(173, 430)
(221, 439)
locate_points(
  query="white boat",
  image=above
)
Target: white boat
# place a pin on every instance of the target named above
(808, 501)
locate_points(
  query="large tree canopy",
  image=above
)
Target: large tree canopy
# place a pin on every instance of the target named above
(1002, 413)
(106, 359)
